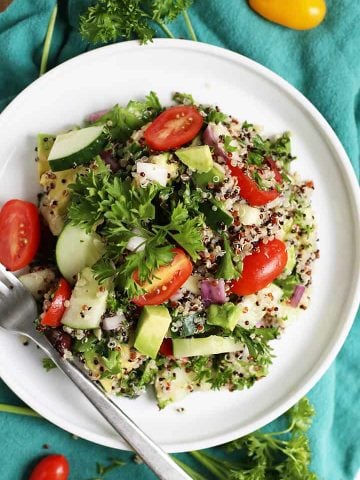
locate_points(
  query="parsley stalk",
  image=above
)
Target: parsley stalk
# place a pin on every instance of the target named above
(48, 38)
(18, 410)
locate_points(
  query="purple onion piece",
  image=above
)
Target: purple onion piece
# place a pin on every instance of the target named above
(113, 322)
(211, 138)
(109, 159)
(60, 340)
(213, 291)
(93, 117)
(297, 295)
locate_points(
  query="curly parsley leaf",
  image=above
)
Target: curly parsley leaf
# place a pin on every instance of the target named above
(257, 341)
(183, 98)
(261, 455)
(108, 20)
(122, 121)
(229, 268)
(48, 364)
(288, 284)
(187, 232)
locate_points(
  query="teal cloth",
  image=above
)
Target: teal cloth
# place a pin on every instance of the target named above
(324, 64)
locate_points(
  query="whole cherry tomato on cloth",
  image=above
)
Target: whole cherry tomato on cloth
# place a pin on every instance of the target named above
(297, 14)
(52, 467)
(261, 267)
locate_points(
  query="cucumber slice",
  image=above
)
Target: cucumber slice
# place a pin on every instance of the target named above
(76, 147)
(190, 347)
(39, 282)
(75, 250)
(87, 303)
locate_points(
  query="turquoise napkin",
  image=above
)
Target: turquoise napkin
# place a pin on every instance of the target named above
(325, 65)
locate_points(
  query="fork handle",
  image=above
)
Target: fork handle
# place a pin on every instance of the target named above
(157, 460)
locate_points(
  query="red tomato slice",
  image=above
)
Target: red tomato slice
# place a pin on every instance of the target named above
(20, 233)
(53, 315)
(250, 190)
(52, 467)
(166, 281)
(261, 267)
(166, 348)
(173, 128)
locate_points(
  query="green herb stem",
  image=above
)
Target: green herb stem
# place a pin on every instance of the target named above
(165, 29)
(189, 26)
(210, 463)
(193, 474)
(18, 410)
(48, 38)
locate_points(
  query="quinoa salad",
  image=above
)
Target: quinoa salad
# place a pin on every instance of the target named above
(171, 246)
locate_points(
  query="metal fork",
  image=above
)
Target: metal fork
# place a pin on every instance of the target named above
(17, 312)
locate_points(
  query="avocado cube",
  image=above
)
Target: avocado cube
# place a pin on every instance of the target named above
(153, 324)
(197, 158)
(215, 214)
(215, 175)
(225, 316)
(45, 142)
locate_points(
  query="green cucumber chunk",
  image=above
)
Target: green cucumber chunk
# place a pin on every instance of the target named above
(77, 147)
(225, 316)
(215, 214)
(153, 324)
(190, 347)
(197, 158)
(87, 303)
(291, 260)
(215, 175)
(77, 249)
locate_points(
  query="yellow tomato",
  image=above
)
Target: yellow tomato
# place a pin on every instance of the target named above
(298, 14)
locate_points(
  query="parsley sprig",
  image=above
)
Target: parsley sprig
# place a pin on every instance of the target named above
(118, 209)
(267, 455)
(109, 20)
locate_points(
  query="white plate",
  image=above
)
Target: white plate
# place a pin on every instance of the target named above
(117, 73)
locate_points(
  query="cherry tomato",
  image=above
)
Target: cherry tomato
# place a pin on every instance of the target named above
(173, 128)
(166, 348)
(52, 467)
(250, 190)
(20, 233)
(261, 267)
(166, 280)
(53, 315)
(298, 14)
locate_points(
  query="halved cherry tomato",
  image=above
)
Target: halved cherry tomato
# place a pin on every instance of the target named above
(166, 348)
(250, 190)
(261, 267)
(166, 280)
(53, 315)
(52, 467)
(173, 128)
(20, 233)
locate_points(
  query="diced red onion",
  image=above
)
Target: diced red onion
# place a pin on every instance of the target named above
(211, 138)
(297, 295)
(113, 322)
(93, 117)
(213, 291)
(108, 157)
